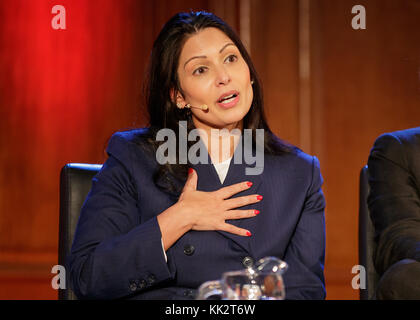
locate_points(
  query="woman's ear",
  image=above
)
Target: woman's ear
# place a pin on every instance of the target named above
(177, 98)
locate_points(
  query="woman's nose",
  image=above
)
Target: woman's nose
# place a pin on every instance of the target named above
(222, 77)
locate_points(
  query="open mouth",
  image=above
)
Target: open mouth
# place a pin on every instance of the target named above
(228, 98)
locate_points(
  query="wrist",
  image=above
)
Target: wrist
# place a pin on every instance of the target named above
(173, 225)
(183, 216)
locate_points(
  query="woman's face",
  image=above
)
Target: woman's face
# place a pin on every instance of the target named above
(211, 69)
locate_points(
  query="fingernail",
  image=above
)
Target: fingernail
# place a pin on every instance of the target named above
(249, 184)
(248, 233)
(259, 197)
(190, 170)
(257, 211)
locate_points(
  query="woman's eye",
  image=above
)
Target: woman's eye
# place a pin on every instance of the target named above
(199, 71)
(232, 58)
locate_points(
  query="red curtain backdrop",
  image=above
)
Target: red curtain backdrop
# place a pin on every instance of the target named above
(62, 94)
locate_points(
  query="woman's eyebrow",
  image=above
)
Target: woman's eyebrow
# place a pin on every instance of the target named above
(197, 57)
(227, 44)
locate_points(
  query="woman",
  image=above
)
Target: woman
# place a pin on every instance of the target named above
(157, 230)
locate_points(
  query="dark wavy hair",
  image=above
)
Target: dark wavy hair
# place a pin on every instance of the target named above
(162, 78)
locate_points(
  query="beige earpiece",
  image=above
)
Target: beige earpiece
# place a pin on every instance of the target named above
(203, 107)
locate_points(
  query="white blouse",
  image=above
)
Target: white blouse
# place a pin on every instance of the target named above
(222, 169)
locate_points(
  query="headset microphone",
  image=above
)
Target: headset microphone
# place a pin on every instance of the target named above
(203, 107)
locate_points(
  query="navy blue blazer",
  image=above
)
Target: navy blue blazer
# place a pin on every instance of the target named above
(117, 250)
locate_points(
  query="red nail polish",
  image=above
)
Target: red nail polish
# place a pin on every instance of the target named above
(259, 197)
(257, 211)
(190, 170)
(249, 184)
(248, 233)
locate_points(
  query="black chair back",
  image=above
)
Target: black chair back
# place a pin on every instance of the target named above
(367, 243)
(75, 184)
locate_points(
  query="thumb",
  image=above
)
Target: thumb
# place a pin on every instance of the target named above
(191, 184)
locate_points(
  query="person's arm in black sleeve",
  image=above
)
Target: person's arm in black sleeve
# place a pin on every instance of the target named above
(393, 203)
(113, 255)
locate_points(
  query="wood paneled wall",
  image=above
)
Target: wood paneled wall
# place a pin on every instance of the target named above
(365, 82)
(328, 88)
(361, 83)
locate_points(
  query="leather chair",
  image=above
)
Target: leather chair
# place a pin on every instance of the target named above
(75, 184)
(367, 243)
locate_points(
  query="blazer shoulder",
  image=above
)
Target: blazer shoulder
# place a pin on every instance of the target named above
(408, 137)
(392, 143)
(296, 158)
(131, 136)
(407, 133)
(401, 147)
(297, 164)
(124, 144)
(387, 145)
